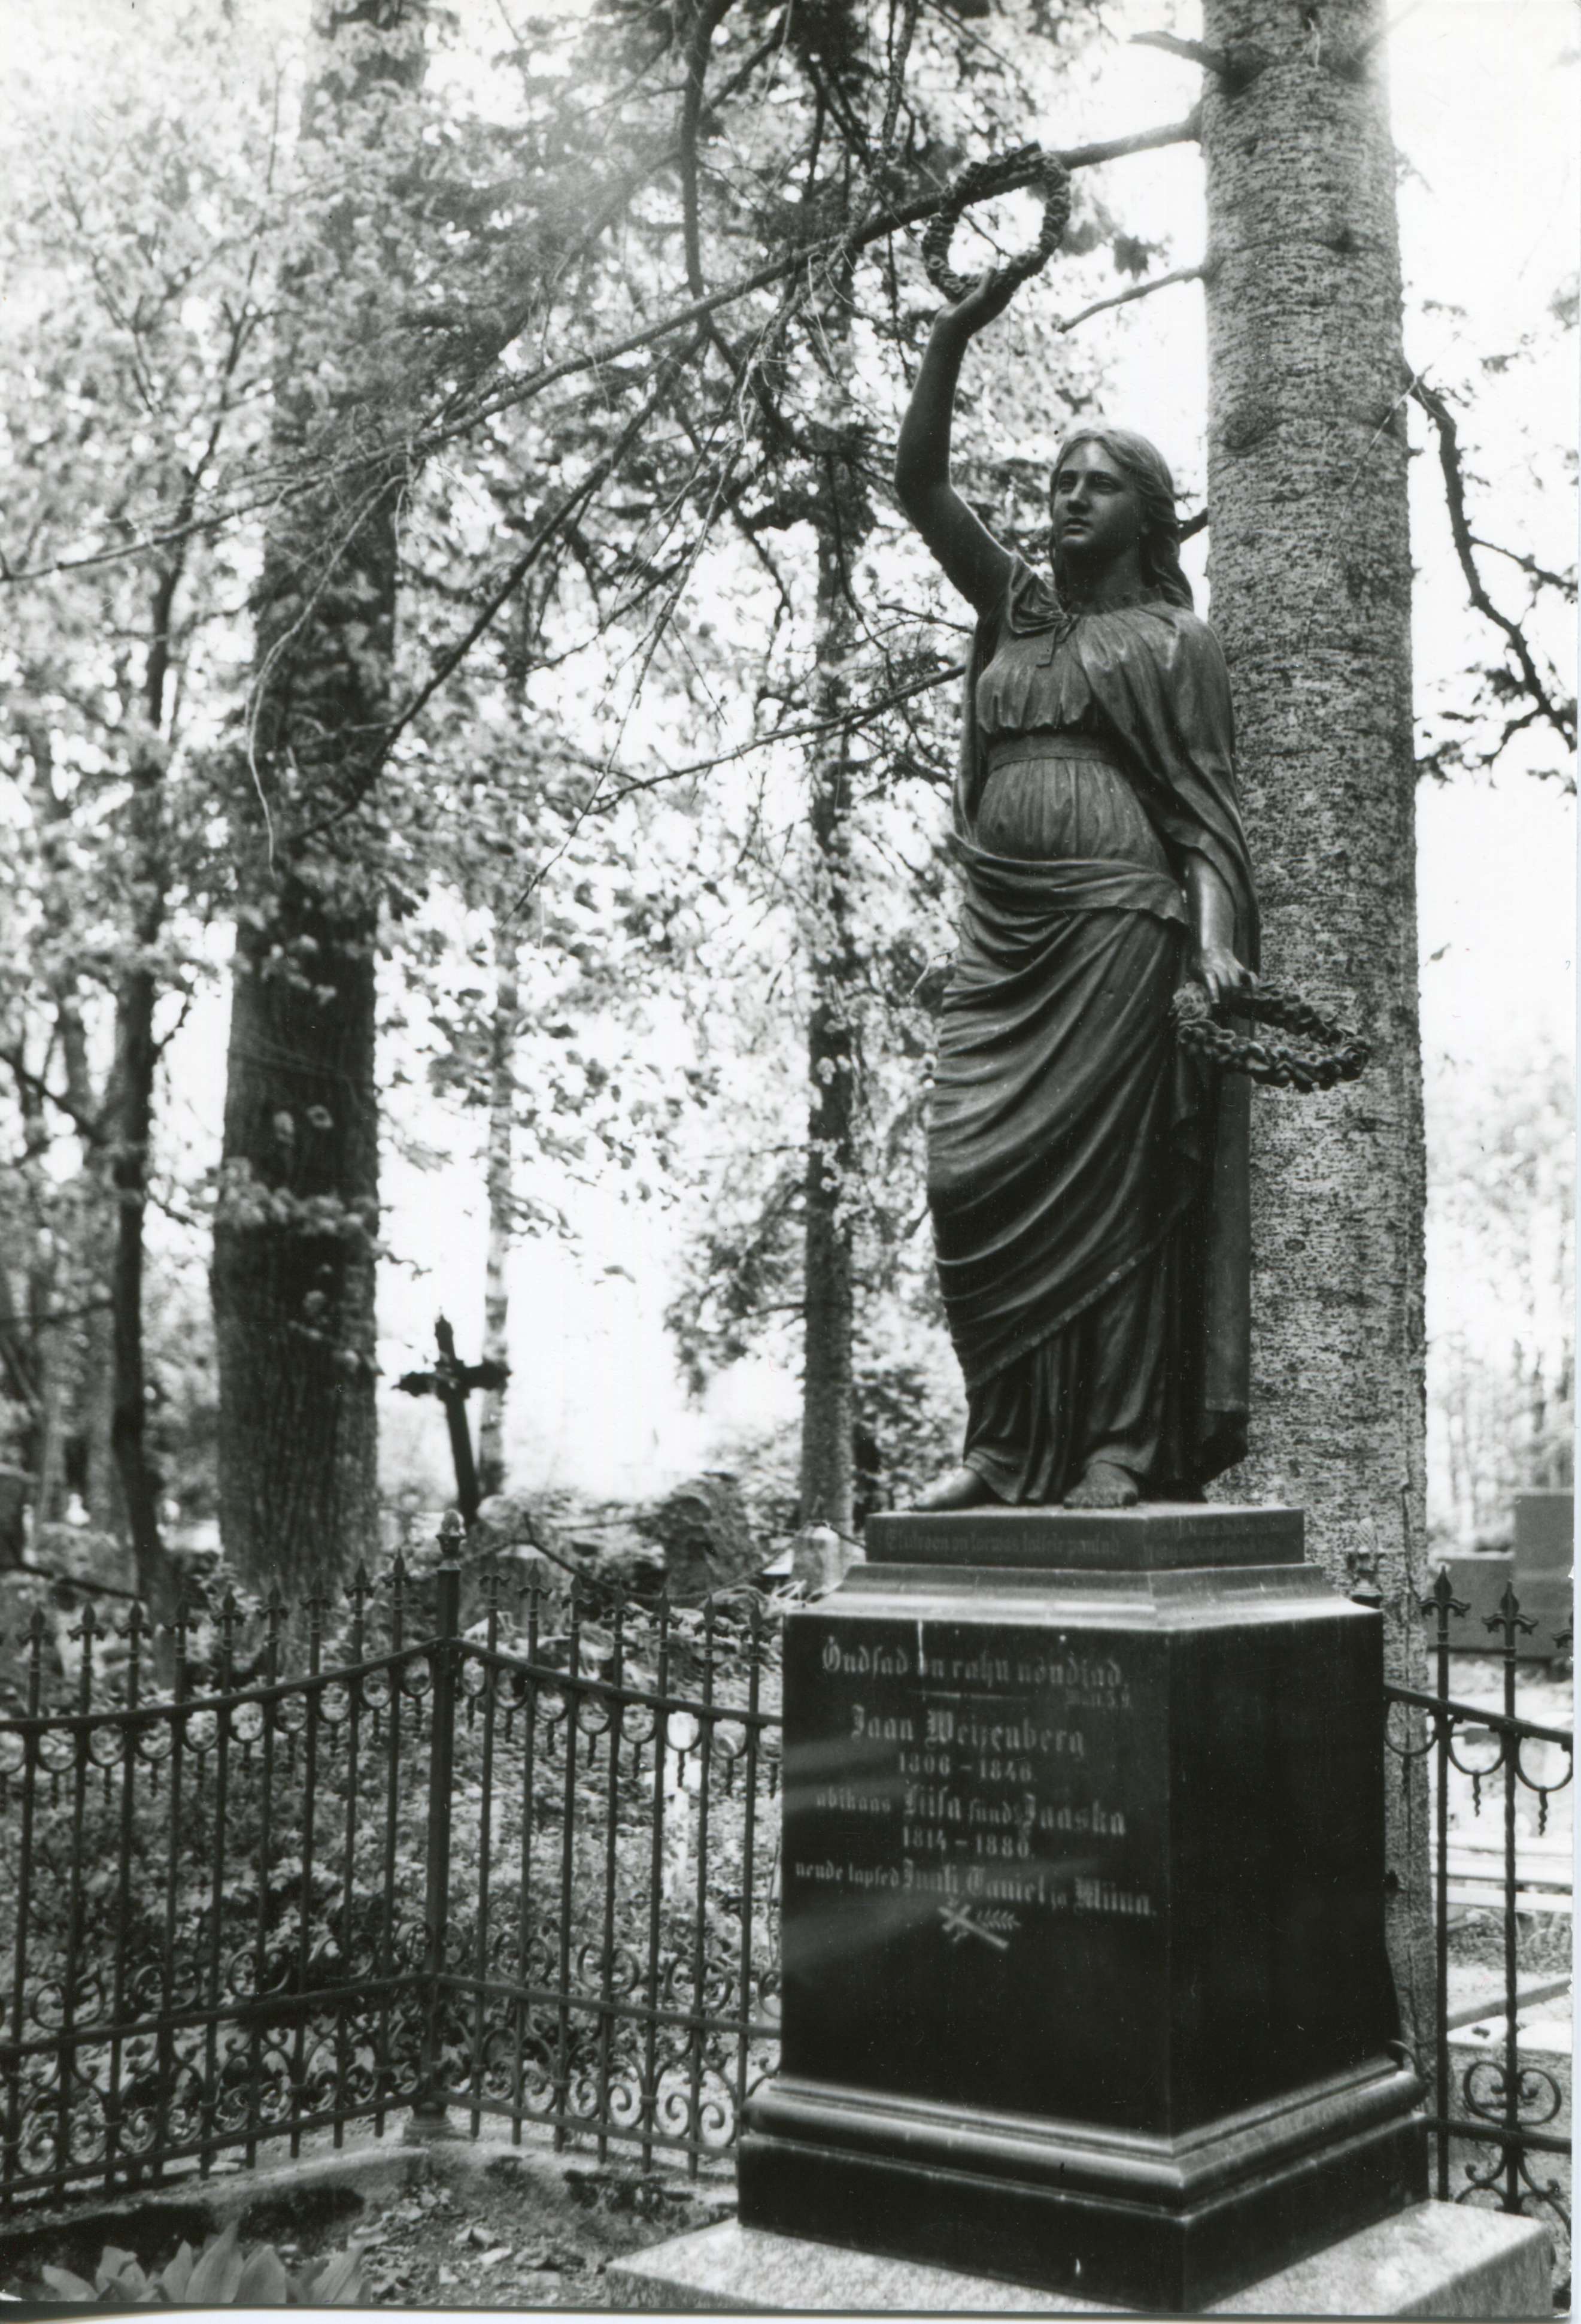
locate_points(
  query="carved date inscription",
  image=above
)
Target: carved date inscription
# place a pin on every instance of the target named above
(981, 1778)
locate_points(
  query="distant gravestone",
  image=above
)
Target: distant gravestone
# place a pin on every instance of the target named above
(706, 1536)
(1478, 1580)
(504, 1521)
(820, 1558)
(1537, 1568)
(1545, 1526)
(81, 1553)
(507, 1536)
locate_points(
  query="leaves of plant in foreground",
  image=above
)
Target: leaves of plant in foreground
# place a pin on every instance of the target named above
(118, 2272)
(114, 2262)
(263, 2282)
(217, 2274)
(68, 2286)
(340, 2283)
(178, 2275)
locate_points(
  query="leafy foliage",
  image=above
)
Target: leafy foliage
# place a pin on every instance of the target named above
(221, 2275)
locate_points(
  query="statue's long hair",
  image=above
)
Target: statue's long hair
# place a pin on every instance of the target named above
(1145, 467)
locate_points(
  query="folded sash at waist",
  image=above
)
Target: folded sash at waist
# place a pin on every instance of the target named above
(1054, 742)
(1017, 885)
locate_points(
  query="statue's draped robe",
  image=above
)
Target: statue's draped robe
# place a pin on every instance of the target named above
(1088, 1179)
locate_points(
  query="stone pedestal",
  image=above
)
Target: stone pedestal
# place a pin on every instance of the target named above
(1084, 1982)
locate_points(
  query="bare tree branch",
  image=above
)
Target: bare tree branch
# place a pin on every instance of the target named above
(1565, 583)
(708, 18)
(1559, 714)
(807, 733)
(89, 1126)
(1236, 67)
(1198, 274)
(1191, 52)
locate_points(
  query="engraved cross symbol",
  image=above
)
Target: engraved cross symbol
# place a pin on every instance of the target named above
(958, 1923)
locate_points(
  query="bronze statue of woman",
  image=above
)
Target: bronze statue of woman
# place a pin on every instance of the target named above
(1086, 1176)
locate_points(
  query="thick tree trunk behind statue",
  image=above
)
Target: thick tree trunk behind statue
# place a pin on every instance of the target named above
(294, 1307)
(1310, 569)
(296, 1231)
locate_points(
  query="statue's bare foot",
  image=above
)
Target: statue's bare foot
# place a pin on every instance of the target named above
(1104, 1487)
(962, 1489)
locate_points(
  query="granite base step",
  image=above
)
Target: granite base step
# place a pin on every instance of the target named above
(1441, 2260)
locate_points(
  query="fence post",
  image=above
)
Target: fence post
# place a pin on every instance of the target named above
(429, 2117)
(1441, 1605)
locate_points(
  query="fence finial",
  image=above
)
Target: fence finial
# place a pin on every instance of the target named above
(1361, 1572)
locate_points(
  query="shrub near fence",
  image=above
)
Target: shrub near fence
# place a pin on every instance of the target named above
(211, 1932)
(524, 1869)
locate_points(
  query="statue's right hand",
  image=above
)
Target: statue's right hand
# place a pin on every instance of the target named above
(986, 301)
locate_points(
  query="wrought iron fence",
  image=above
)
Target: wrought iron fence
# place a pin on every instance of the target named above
(467, 1843)
(608, 1872)
(1500, 2125)
(523, 1868)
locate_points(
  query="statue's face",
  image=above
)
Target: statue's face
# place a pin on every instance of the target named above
(1096, 510)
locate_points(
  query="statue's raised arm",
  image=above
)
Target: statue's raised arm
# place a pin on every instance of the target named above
(964, 546)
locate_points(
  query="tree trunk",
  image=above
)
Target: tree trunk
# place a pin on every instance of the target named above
(130, 1123)
(293, 1274)
(46, 1338)
(131, 1129)
(65, 1273)
(1310, 565)
(96, 1218)
(496, 1347)
(101, 1490)
(293, 1258)
(843, 518)
(53, 1358)
(19, 1393)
